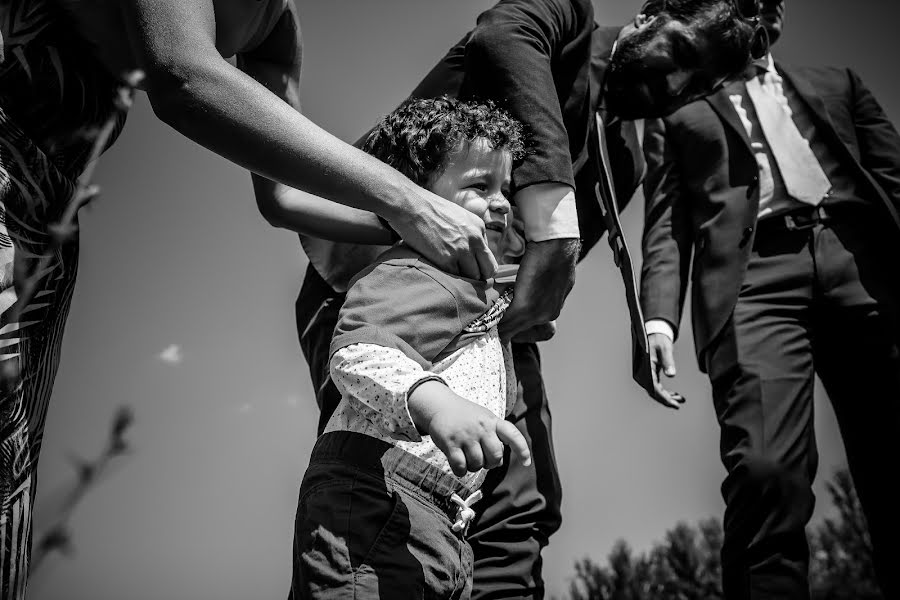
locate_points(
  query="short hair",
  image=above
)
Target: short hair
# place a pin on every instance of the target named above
(418, 137)
(719, 22)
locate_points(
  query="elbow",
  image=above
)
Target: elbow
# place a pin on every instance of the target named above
(269, 202)
(491, 40)
(272, 213)
(175, 90)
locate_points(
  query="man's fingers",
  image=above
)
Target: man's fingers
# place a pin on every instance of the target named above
(536, 333)
(468, 266)
(492, 449)
(487, 264)
(457, 459)
(665, 397)
(668, 360)
(513, 438)
(512, 324)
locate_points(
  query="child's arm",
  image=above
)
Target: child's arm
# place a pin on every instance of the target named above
(302, 212)
(412, 402)
(380, 378)
(469, 435)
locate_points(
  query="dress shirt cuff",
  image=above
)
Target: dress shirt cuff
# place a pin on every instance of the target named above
(660, 326)
(548, 211)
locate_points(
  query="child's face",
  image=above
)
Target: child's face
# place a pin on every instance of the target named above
(477, 178)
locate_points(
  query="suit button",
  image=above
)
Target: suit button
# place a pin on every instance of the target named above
(745, 237)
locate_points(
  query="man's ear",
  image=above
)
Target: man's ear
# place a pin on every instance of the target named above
(643, 20)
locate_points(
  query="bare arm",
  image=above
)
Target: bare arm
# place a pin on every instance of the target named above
(276, 64)
(193, 89)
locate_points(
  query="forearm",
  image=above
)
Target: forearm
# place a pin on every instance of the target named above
(230, 113)
(547, 271)
(305, 213)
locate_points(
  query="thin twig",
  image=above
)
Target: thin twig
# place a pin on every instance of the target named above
(64, 230)
(89, 473)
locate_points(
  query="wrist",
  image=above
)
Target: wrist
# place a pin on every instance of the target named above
(427, 397)
(391, 232)
(392, 205)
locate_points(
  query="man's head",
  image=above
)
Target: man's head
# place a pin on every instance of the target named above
(676, 51)
(461, 151)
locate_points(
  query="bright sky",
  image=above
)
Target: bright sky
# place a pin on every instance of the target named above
(184, 311)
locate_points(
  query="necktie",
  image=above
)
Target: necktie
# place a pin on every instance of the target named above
(640, 353)
(803, 175)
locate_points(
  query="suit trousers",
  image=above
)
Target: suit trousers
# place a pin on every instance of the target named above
(521, 505)
(824, 301)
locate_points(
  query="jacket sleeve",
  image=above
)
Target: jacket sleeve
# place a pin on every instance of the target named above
(879, 143)
(667, 239)
(511, 57)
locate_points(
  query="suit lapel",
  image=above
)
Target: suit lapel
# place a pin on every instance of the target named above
(809, 96)
(818, 110)
(722, 104)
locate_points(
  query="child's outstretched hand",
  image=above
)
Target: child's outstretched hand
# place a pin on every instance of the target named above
(470, 435)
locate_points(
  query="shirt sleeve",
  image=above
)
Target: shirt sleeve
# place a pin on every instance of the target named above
(380, 378)
(660, 326)
(548, 212)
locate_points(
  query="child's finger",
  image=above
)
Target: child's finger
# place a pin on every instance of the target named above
(492, 448)
(474, 456)
(513, 438)
(457, 460)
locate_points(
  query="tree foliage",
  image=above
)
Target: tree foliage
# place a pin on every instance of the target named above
(686, 564)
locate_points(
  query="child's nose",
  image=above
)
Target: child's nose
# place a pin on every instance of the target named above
(499, 203)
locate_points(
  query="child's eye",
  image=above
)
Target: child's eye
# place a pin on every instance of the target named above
(481, 187)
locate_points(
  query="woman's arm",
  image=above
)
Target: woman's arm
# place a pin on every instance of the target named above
(196, 91)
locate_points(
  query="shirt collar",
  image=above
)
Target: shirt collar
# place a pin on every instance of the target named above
(766, 63)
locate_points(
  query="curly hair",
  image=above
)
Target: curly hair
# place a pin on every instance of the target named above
(419, 136)
(716, 20)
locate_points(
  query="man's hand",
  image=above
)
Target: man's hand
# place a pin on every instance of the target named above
(446, 234)
(545, 278)
(469, 435)
(662, 359)
(537, 333)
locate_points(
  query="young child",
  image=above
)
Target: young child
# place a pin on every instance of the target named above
(425, 381)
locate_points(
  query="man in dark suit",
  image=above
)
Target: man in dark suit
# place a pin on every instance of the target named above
(786, 185)
(552, 67)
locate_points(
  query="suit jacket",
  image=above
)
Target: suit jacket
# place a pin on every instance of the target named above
(702, 190)
(517, 52)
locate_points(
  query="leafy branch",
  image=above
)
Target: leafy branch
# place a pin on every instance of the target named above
(65, 229)
(58, 537)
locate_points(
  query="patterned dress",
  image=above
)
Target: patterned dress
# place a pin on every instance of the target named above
(53, 98)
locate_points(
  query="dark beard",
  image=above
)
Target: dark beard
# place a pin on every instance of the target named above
(626, 91)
